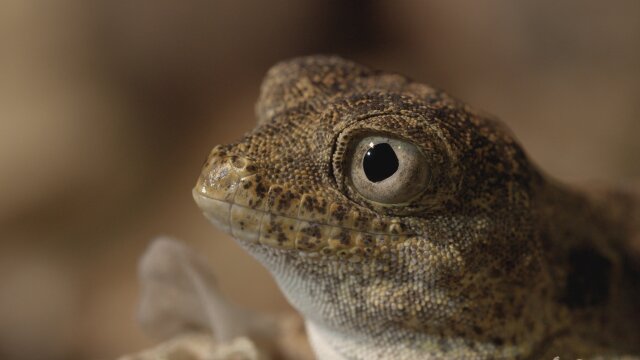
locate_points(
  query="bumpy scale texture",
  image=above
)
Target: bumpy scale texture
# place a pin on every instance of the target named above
(490, 259)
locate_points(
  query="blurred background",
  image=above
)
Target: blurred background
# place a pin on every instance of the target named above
(107, 110)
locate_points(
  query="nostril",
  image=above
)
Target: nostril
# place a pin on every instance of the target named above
(239, 162)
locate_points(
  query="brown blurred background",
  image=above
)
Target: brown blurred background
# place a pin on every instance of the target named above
(107, 110)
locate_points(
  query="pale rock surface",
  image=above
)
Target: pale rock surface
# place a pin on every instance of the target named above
(199, 347)
(182, 306)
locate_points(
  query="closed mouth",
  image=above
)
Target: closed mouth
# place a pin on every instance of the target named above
(256, 226)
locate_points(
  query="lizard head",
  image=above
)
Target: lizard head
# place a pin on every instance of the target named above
(380, 204)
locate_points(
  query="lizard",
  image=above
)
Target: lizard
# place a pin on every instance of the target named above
(403, 223)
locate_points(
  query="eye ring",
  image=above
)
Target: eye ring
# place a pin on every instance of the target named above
(386, 170)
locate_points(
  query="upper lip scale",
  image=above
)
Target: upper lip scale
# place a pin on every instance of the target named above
(204, 196)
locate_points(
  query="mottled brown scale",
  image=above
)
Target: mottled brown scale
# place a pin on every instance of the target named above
(492, 258)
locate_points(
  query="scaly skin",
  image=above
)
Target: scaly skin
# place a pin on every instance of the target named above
(490, 259)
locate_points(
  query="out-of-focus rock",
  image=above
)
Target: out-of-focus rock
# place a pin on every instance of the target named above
(180, 294)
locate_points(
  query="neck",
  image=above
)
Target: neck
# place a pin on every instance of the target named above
(585, 235)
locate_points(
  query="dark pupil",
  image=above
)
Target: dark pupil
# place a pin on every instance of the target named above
(380, 162)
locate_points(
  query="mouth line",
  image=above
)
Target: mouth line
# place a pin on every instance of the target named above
(263, 227)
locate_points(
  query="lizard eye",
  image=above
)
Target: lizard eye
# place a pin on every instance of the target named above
(386, 170)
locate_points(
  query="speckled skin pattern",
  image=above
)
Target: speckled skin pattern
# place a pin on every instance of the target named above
(493, 259)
